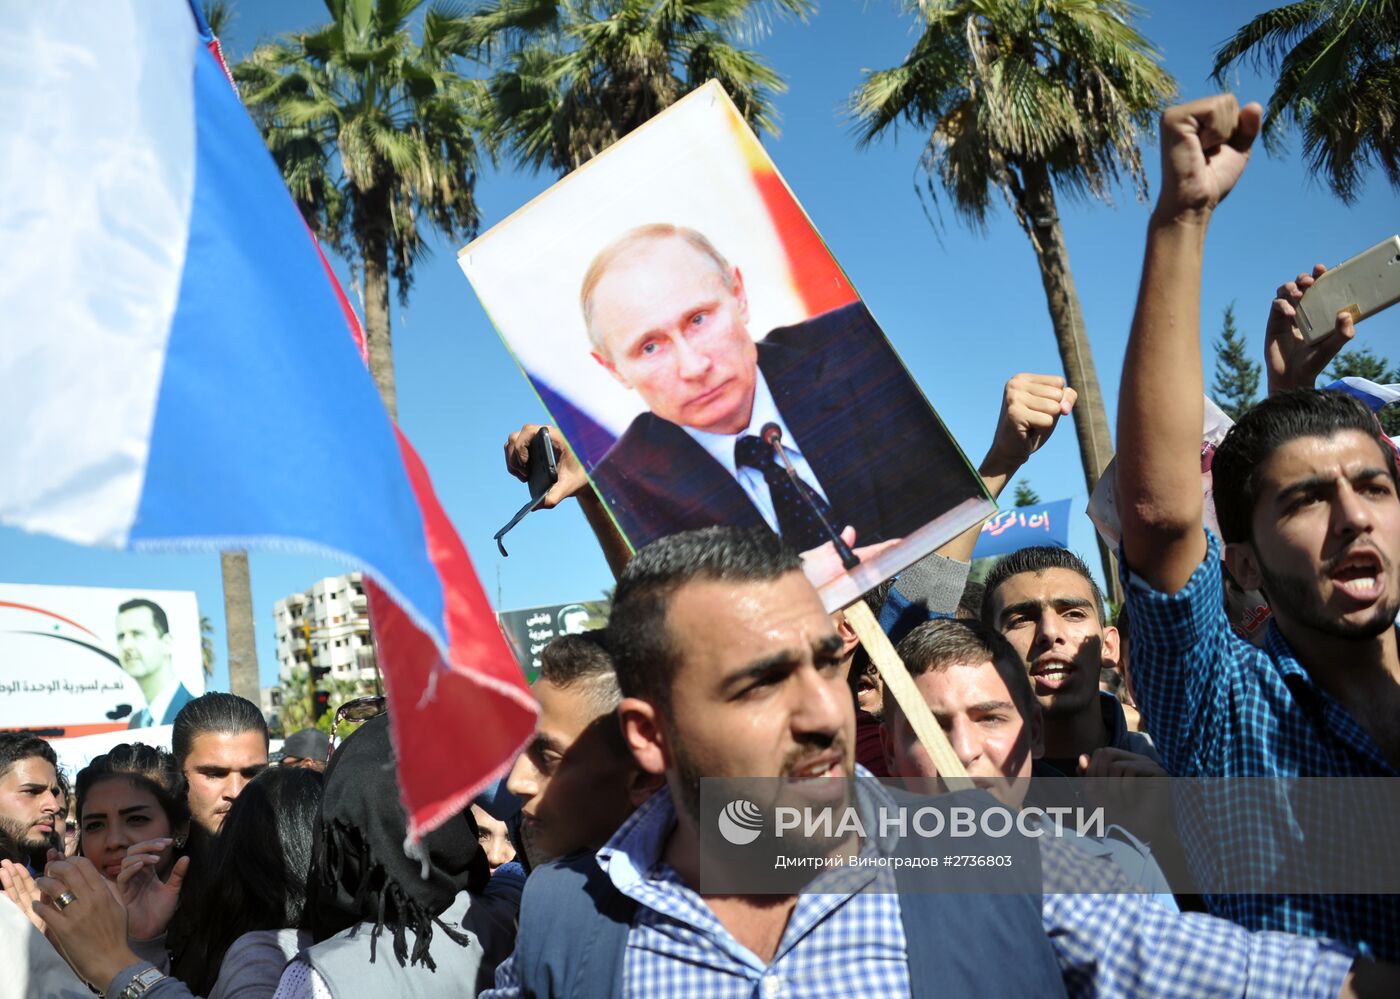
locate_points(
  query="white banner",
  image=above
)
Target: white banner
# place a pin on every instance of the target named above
(88, 660)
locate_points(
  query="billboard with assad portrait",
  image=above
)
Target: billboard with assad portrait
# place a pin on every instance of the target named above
(709, 362)
(530, 629)
(88, 659)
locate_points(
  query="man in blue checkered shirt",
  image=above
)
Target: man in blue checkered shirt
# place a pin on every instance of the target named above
(730, 667)
(1305, 494)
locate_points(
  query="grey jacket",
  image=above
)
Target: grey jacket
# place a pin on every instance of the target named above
(251, 969)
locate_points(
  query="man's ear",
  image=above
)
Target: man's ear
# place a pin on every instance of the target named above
(644, 734)
(1112, 647)
(1243, 564)
(737, 288)
(611, 367)
(849, 638)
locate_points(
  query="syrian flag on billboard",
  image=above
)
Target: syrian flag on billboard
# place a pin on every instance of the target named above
(170, 324)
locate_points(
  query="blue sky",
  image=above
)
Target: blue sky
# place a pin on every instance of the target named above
(965, 310)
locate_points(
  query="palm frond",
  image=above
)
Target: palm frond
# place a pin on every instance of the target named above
(1064, 86)
(1268, 37)
(507, 25)
(573, 76)
(933, 77)
(1335, 81)
(375, 133)
(218, 15)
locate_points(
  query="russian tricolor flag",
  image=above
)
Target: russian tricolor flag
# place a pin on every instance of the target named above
(169, 325)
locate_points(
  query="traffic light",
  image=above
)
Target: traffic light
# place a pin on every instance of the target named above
(320, 704)
(317, 672)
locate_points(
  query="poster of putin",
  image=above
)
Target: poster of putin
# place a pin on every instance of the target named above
(709, 362)
(78, 660)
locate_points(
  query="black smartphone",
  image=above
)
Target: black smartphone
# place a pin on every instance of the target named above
(544, 464)
(541, 474)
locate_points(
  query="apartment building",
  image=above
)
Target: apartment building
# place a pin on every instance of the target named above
(328, 625)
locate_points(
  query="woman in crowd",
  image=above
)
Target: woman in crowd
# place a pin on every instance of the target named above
(494, 836)
(387, 922)
(133, 794)
(241, 916)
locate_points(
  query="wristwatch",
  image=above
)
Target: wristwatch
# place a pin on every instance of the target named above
(141, 984)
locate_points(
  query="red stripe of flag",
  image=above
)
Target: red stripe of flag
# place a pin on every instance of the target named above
(458, 723)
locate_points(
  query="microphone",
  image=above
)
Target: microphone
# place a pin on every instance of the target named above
(772, 435)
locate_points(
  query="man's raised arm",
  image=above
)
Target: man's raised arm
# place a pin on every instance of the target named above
(1205, 146)
(1031, 406)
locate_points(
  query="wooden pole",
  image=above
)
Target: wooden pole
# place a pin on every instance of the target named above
(911, 702)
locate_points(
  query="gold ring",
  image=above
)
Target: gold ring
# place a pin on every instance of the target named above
(65, 900)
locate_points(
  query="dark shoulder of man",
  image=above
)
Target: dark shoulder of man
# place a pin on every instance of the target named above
(842, 326)
(553, 892)
(647, 435)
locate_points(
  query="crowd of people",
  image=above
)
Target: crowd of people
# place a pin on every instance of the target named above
(213, 870)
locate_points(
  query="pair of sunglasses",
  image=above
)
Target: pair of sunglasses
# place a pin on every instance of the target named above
(358, 709)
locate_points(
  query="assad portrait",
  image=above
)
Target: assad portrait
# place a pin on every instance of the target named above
(810, 425)
(144, 644)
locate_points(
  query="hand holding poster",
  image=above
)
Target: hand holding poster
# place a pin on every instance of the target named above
(709, 362)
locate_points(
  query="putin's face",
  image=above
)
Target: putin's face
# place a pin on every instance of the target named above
(669, 326)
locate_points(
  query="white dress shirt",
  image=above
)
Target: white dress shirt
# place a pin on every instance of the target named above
(161, 704)
(721, 448)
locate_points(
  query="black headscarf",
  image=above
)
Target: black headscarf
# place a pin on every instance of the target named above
(362, 872)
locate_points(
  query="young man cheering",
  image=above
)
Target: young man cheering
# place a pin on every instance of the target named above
(1305, 493)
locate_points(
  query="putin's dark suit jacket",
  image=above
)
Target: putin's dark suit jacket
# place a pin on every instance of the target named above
(882, 456)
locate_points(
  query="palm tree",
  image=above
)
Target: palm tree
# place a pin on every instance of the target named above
(374, 135)
(297, 712)
(206, 645)
(1338, 65)
(218, 15)
(238, 620)
(1028, 101)
(575, 76)
(233, 565)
